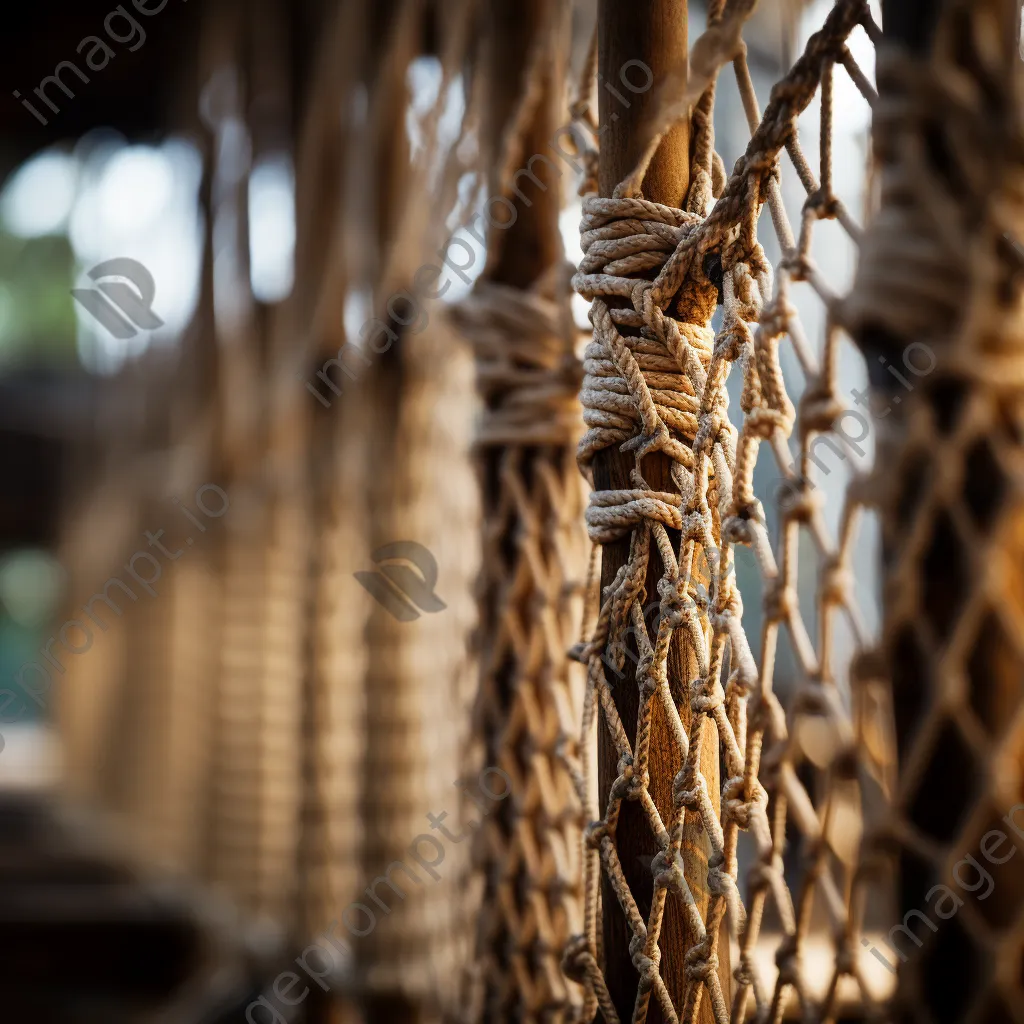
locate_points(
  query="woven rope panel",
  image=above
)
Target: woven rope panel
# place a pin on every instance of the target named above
(534, 560)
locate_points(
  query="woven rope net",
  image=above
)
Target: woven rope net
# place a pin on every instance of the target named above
(656, 377)
(529, 696)
(941, 274)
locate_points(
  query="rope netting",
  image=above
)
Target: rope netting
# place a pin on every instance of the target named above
(533, 562)
(533, 546)
(941, 279)
(656, 375)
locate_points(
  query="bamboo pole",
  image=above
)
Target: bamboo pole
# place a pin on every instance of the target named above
(655, 32)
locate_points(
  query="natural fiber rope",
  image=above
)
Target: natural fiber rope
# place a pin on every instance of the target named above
(663, 390)
(527, 373)
(527, 376)
(413, 684)
(253, 781)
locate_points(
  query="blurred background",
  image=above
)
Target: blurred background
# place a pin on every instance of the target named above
(214, 732)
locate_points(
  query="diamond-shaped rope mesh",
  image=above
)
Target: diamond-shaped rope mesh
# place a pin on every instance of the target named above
(941, 281)
(656, 376)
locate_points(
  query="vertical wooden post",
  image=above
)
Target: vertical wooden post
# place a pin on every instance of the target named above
(523, 251)
(910, 22)
(656, 33)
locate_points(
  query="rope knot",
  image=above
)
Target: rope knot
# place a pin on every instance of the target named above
(775, 317)
(720, 882)
(837, 583)
(638, 784)
(581, 652)
(687, 788)
(667, 868)
(575, 958)
(737, 806)
(845, 960)
(596, 832)
(751, 280)
(732, 340)
(797, 264)
(763, 876)
(643, 444)
(799, 500)
(721, 621)
(824, 205)
(630, 783)
(787, 959)
(648, 674)
(759, 714)
(700, 962)
(819, 409)
(743, 972)
(672, 608)
(780, 601)
(637, 942)
(704, 699)
(646, 966)
(737, 529)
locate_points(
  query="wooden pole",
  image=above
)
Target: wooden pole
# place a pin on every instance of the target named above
(656, 33)
(532, 244)
(910, 22)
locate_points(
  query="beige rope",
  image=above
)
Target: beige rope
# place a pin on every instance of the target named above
(527, 373)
